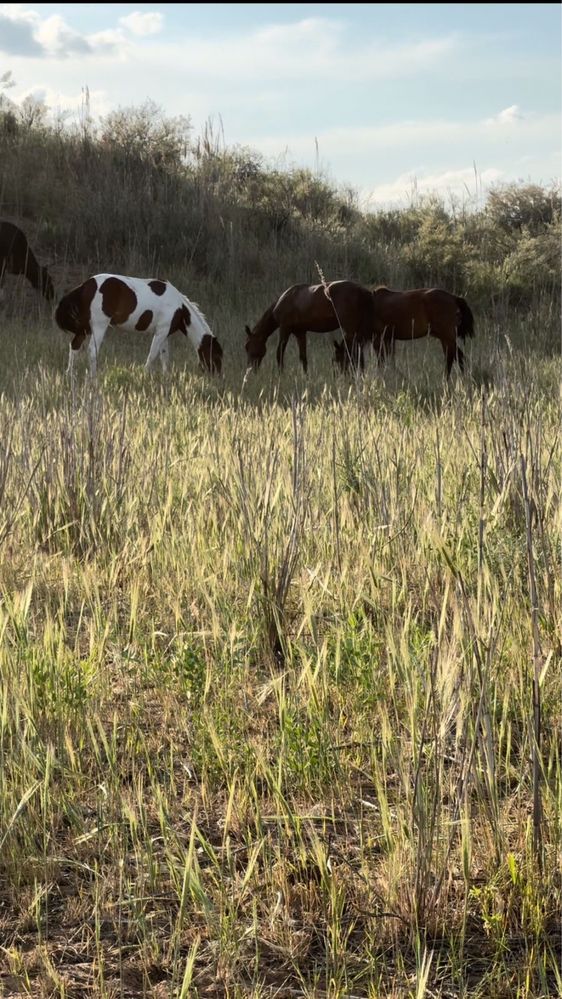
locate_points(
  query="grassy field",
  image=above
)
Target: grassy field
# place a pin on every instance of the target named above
(271, 659)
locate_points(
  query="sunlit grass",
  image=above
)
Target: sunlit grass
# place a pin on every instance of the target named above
(266, 661)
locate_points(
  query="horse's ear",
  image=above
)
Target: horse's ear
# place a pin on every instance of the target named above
(248, 330)
(336, 344)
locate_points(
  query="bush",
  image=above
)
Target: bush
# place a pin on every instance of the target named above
(139, 193)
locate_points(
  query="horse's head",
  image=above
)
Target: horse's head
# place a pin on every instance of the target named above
(255, 349)
(210, 354)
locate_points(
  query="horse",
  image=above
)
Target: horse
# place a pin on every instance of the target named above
(135, 305)
(409, 315)
(17, 257)
(316, 308)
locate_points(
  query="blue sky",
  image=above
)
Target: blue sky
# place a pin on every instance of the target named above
(391, 95)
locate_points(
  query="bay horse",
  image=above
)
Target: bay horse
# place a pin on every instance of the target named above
(135, 305)
(409, 315)
(17, 257)
(315, 308)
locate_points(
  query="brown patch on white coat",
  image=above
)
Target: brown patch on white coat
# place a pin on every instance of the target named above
(118, 300)
(145, 320)
(135, 304)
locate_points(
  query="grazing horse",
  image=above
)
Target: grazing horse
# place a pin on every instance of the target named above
(316, 308)
(409, 315)
(17, 257)
(135, 304)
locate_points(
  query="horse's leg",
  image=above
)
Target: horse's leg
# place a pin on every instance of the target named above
(361, 357)
(158, 342)
(452, 352)
(388, 348)
(284, 335)
(3, 272)
(450, 357)
(357, 354)
(165, 354)
(351, 351)
(94, 344)
(369, 352)
(381, 349)
(301, 340)
(364, 335)
(76, 343)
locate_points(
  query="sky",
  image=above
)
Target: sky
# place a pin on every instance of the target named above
(390, 99)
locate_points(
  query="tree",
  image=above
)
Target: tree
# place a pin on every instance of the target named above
(8, 118)
(516, 207)
(144, 133)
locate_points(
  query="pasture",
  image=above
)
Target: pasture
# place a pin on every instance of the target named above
(271, 659)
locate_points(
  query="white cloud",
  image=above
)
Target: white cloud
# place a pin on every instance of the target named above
(57, 100)
(17, 30)
(110, 42)
(508, 116)
(371, 139)
(395, 162)
(410, 137)
(311, 49)
(315, 49)
(57, 38)
(463, 183)
(149, 23)
(24, 32)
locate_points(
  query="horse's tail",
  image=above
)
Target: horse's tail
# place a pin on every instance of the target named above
(466, 325)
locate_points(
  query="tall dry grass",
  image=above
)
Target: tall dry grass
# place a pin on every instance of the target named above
(280, 674)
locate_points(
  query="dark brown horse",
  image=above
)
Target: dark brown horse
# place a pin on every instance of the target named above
(409, 315)
(17, 257)
(316, 308)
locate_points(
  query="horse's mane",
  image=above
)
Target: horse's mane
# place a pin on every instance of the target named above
(264, 325)
(196, 311)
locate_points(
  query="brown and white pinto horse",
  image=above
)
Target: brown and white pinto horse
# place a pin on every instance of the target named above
(17, 257)
(135, 305)
(317, 308)
(409, 315)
